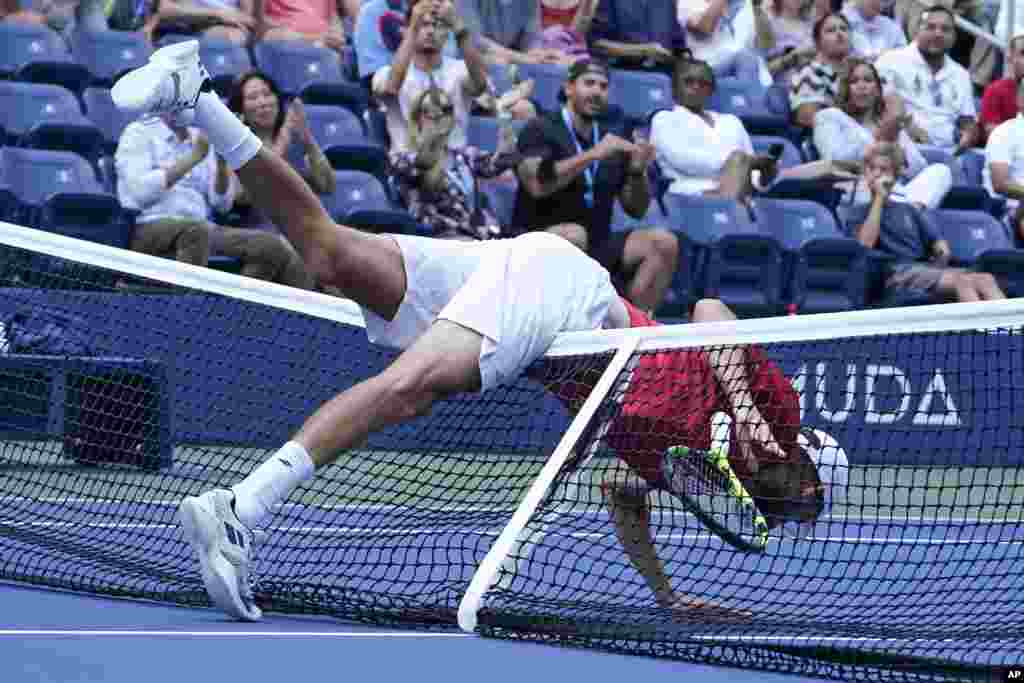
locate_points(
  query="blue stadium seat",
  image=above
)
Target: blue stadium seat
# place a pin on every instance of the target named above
(333, 126)
(750, 102)
(367, 158)
(790, 154)
(34, 175)
(973, 164)
(970, 233)
(827, 270)
(724, 255)
(639, 93)
(500, 195)
(100, 109)
(548, 81)
(356, 190)
(21, 44)
(224, 60)
(391, 221)
(108, 54)
(26, 105)
(483, 131)
(352, 96)
(295, 64)
(81, 137)
(92, 217)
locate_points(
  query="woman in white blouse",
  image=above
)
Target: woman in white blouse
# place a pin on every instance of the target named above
(862, 116)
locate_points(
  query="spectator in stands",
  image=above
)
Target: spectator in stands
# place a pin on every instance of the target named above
(814, 86)
(63, 16)
(257, 101)
(981, 60)
(999, 103)
(708, 153)
(507, 30)
(937, 91)
(566, 31)
(638, 34)
(316, 21)
(862, 116)
(437, 182)
(1004, 166)
(788, 46)
(378, 33)
(920, 261)
(725, 34)
(573, 171)
(871, 32)
(420, 64)
(232, 20)
(168, 173)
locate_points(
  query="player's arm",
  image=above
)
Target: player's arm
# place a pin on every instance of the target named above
(625, 495)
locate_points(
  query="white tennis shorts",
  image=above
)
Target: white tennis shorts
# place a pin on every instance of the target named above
(518, 294)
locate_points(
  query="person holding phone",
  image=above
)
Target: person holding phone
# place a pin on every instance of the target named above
(710, 153)
(861, 116)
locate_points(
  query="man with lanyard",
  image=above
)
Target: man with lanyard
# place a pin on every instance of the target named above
(574, 169)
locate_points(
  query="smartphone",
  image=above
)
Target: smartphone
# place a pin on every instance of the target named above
(775, 151)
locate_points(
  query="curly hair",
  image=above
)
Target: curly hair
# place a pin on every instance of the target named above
(842, 100)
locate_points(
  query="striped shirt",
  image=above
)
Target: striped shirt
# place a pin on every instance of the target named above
(816, 83)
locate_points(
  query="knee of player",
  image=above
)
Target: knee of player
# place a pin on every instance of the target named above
(665, 245)
(706, 310)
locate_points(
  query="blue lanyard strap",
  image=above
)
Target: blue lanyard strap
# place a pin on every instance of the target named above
(590, 172)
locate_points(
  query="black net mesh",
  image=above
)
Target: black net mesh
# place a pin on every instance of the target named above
(121, 395)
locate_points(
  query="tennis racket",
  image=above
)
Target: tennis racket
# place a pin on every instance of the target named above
(706, 484)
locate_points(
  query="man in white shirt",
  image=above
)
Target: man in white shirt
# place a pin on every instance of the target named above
(168, 174)
(1004, 165)
(871, 32)
(419, 64)
(723, 34)
(938, 92)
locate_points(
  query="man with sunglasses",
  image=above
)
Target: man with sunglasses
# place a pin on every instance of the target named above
(938, 92)
(576, 166)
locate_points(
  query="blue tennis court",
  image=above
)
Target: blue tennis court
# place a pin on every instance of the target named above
(862, 567)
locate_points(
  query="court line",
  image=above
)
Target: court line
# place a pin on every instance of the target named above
(228, 634)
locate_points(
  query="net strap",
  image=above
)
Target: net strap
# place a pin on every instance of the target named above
(487, 573)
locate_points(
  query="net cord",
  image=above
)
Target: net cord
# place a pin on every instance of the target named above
(953, 317)
(486, 573)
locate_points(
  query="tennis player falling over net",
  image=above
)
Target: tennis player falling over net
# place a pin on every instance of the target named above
(467, 316)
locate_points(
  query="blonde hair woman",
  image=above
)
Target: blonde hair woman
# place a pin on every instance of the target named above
(437, 182)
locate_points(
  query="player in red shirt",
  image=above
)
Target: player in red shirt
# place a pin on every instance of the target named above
(671, 399)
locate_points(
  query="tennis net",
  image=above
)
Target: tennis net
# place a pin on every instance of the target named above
(128, 382)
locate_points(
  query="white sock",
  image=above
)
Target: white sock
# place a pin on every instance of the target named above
(231, 138)
(271, 483)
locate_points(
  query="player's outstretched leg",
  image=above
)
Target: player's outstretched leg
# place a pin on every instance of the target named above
(366, 268)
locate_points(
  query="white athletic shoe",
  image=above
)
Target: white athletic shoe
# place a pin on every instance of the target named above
(170, 83)
(224, 547)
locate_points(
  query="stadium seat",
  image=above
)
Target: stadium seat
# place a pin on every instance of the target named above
(108, 54)
(639, 93)
(295, 64)
(100, 109)
(351, 96)
(36, 54)
(224, 60)
(548, 81)
(92, 217)
(333, 126)
(723, 254)
(367, 158)
(35, 175)
(356, 190)
(827, 270)
(391, 221)
(749, 101)
(23, 105)
(979, 240)
(973, 164)
(790, 154)
(81, 137)
(482, 132)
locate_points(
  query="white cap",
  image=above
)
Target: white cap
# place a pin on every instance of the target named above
(833, 470)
